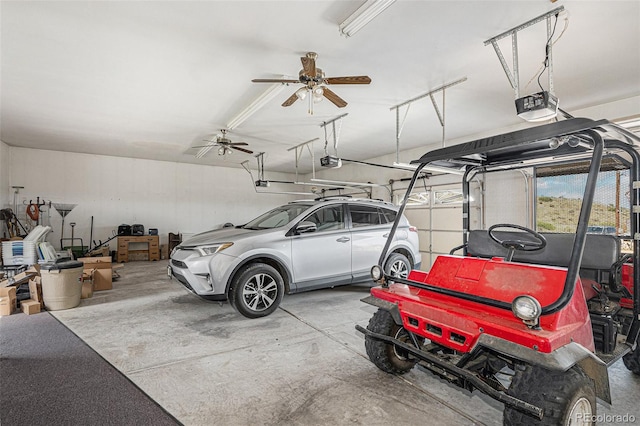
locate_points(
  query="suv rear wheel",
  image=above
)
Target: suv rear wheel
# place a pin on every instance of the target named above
(398, 265)
(256, 291)
(566, 397)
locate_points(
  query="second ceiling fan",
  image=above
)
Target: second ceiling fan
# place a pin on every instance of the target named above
(315, 83)
(225, 146)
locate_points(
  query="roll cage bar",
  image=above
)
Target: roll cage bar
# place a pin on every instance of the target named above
(568, 140)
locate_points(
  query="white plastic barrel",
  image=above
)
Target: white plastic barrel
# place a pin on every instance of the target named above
(61, 284)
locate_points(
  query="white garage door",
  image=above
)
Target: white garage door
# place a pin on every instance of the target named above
(437, 213)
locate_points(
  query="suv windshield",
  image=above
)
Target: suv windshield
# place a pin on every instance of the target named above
(277, 217)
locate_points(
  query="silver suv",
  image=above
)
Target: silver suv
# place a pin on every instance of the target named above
(303, 245)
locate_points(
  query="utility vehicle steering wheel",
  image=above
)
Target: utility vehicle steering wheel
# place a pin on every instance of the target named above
(521, 245)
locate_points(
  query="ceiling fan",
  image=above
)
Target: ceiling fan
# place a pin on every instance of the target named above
(225, 146)
(315, 83)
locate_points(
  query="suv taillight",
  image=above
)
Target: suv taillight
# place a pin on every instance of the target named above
(413, 229)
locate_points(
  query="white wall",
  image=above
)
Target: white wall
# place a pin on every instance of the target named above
(5, 198)
(172, 197)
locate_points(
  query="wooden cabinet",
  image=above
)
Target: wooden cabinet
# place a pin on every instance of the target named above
(152, 250)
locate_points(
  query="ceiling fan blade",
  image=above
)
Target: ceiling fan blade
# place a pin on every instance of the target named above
(273, 80)
(290, 100)
(309, 66)
(243, 150)
(204, 146)
(335, 99)
(237, 143)
(355, 79)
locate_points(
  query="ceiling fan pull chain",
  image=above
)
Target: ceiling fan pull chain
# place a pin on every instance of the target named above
(336, 136)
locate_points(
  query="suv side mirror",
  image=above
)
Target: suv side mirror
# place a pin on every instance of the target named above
(305, 227)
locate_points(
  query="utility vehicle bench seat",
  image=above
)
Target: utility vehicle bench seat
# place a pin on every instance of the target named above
(600, 251)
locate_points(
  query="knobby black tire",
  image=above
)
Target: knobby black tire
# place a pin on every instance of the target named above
(242, 280)
(553, 391)
(383, 354)
(632, 360)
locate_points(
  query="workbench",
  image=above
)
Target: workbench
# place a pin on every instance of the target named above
(152, 250)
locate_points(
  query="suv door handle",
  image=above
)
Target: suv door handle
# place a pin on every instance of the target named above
(343, 239)
(386, 235)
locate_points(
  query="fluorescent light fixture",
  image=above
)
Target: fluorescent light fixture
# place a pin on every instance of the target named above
(632, 124)
(205, 149)
(254, 106)
(361, 17)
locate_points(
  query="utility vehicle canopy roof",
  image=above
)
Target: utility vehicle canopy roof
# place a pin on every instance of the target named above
(546, 144)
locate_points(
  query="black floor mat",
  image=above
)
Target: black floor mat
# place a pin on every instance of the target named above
(49, 376)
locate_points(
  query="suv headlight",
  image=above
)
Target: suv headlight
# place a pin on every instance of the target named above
(214, 248)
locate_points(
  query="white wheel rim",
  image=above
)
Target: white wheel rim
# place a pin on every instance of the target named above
(581, 413)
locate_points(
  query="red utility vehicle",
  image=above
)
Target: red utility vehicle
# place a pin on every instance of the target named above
(548, 311)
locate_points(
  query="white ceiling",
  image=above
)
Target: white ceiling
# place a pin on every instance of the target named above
(149, 79)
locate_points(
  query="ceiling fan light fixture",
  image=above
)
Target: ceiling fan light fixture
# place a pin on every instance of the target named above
(301, 93)
(318, 93)
(264, 98)
(221, 150)
(361, 17)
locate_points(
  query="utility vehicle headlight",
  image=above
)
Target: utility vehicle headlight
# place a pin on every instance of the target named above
(215, 248)
(376, 272)
(526, 308)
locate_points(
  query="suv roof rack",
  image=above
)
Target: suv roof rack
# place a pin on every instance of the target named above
(333, 197)
(344, 197)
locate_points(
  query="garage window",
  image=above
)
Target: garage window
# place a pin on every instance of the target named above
(559, 198)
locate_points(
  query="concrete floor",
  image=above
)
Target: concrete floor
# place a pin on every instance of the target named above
(305, 364)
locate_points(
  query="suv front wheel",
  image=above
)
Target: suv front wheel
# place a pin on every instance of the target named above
(256, 291)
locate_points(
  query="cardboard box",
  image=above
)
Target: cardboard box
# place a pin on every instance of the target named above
(102, 279)
(30, 306)
(21, 278)
(99, 252)
(7, 300)
(34, 269)
(87, 283)
(96, 262)
(100, 267)
(35, 289)
(87, 290)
